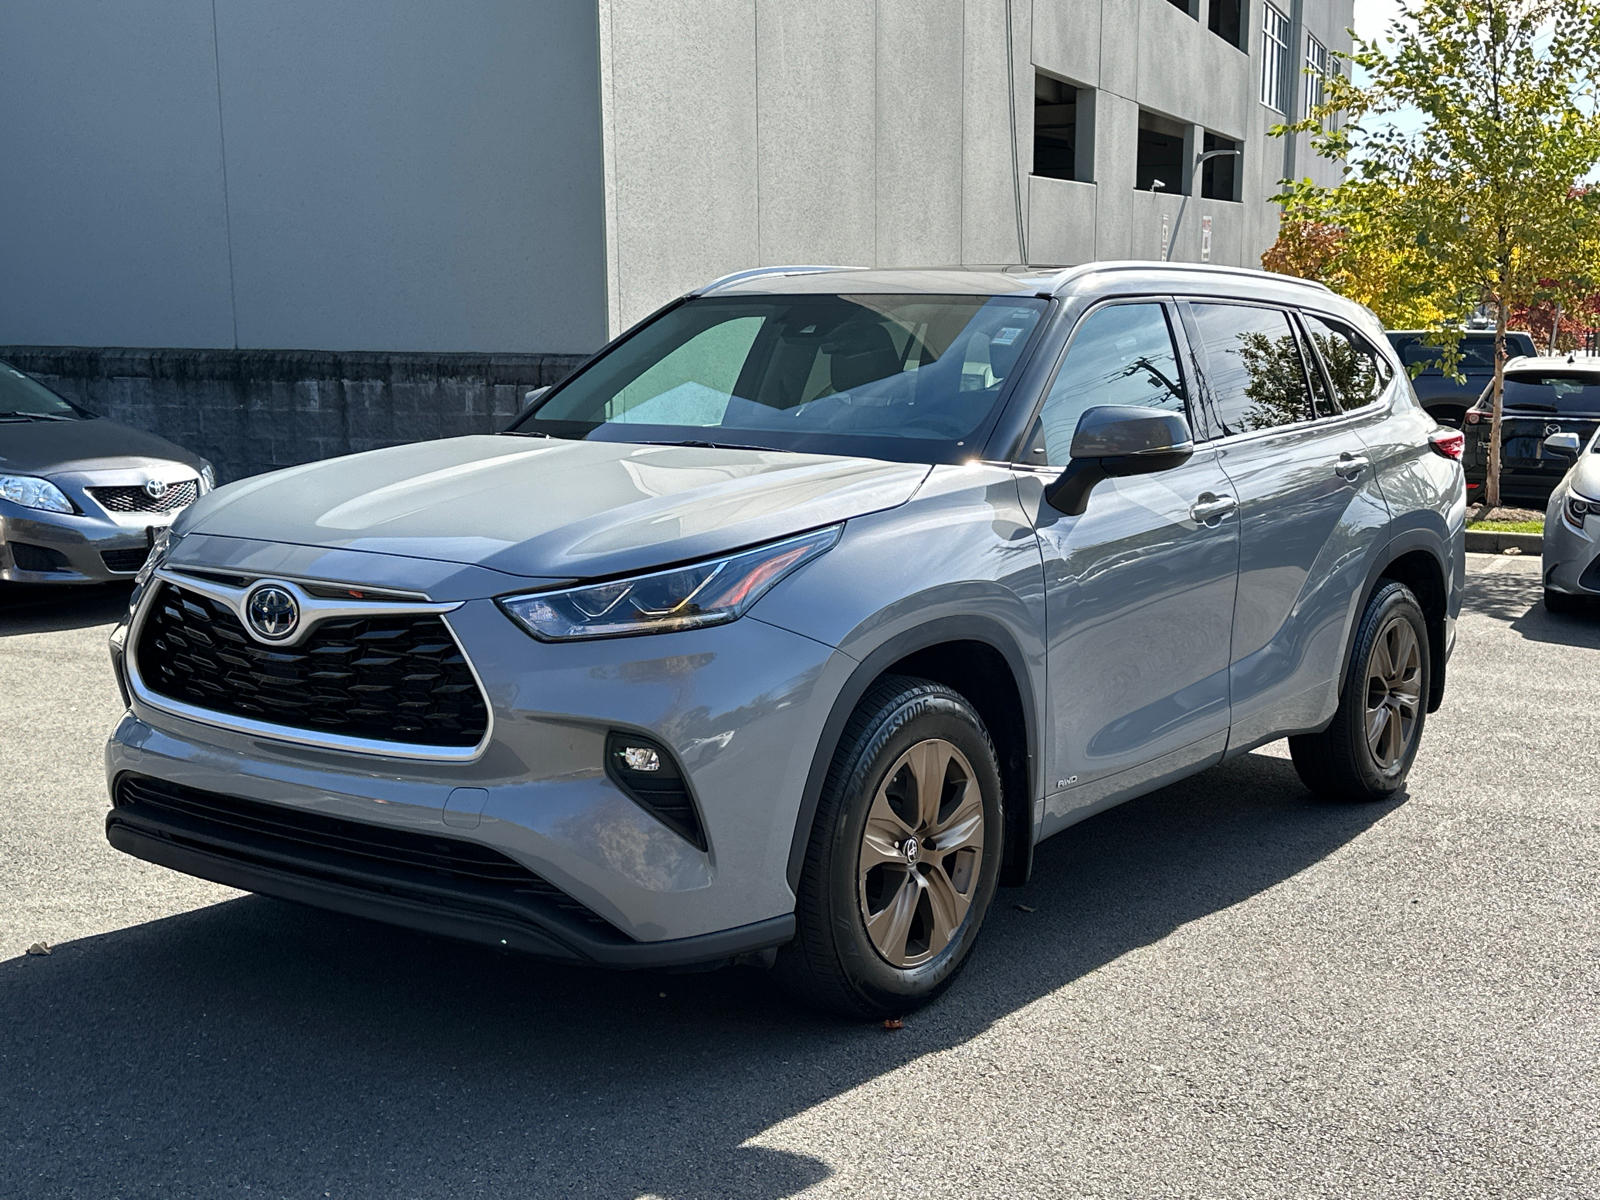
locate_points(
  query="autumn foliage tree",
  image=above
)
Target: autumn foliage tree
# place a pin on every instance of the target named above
(1480, 204)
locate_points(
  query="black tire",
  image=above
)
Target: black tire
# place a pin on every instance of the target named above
(833, 962)
(1341, 762)
(1561, 602)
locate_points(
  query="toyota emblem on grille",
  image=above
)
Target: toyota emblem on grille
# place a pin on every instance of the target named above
(156, 488)
(1551, 428)
(272, 612)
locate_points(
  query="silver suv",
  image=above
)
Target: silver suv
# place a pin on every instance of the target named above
(784, 629)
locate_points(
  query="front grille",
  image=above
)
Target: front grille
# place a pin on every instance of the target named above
(136, 499)
(386, 678)
(333, 847)
(125, 560)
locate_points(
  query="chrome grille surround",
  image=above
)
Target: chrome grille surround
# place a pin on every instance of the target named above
(316, 609)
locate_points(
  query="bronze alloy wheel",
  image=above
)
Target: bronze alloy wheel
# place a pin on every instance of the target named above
(920, 853)
(1394, 692)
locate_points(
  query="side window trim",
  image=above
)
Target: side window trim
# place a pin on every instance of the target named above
(1022, 456)
(1314, 354)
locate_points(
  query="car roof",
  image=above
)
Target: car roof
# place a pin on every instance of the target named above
(1559, 363)
(1008, 280)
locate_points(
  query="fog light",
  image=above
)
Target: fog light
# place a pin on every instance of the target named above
(640, 758)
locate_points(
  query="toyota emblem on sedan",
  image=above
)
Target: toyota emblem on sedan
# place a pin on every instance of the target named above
(273, 613)
(156, 488)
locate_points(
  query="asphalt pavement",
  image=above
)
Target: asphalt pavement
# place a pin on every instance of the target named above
(1225, 989)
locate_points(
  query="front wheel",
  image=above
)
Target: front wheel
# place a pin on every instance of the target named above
(1367, 751)
(1562, 602)
(903, 858)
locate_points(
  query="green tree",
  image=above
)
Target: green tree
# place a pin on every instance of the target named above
(1483, 203)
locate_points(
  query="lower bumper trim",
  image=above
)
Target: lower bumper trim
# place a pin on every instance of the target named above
(485, 928)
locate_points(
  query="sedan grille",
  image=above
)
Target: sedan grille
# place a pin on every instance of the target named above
(394, 678)
(136, 499)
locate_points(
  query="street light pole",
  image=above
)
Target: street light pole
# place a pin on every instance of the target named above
(1194, 177)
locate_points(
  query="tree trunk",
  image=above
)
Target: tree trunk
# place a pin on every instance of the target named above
(1491, 484)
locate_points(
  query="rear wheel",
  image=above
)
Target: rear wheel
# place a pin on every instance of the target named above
(903, 858)
(1367, 751)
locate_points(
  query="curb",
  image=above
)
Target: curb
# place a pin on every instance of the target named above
(1487, 541)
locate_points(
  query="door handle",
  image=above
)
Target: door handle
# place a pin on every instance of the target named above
(1350, 466)
(1211, 508)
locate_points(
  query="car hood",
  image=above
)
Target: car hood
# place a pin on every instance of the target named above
(549, 507)
(51, 447)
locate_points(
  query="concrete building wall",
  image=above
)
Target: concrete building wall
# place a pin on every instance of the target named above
(308, 174)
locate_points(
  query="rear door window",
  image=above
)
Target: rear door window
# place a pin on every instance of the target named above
(1256, 375)
(1358, 372)
(1120, 354)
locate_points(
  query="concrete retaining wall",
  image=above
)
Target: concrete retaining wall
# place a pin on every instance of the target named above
(255, 410)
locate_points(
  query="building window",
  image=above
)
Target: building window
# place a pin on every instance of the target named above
(1276, 82)
(1317, 65)
(1227, 21)
(1186, 6)
(1219, 177)
(1160, 163)
(1057, 151)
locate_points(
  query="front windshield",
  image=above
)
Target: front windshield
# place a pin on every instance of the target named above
(22, 399)
(909, 377)
(1555, 393)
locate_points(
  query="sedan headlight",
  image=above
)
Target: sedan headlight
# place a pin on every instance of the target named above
(706, 593)
(208, 479)
(1577, 508)
(32, 492)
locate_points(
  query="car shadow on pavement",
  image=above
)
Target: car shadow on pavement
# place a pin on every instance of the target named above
(258, 1043)
(37, 608)
(1517, 600)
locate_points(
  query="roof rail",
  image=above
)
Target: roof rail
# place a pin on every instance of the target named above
(1061, 278)
(758, 272)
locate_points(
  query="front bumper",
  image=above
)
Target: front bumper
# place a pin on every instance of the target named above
(740, 706)
(1571, 557)
(93, 545)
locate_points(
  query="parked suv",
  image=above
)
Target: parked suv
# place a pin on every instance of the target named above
(1445, 397)
(786, 627)
(1542, 396)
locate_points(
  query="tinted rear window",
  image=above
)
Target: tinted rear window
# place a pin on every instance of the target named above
(1553, 393)
(1477, 353)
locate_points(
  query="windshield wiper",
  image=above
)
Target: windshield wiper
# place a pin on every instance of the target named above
(36, 416)
(707, 445)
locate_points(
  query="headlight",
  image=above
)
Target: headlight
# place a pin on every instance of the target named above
(160, 547)
(706, 593)
(1577, 508)
(33, 492)
(208, 479)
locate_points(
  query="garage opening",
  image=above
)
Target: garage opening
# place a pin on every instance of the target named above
(1160, 164)
(1058, 151)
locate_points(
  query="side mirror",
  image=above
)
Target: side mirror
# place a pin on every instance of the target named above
(1116, 440)
(1564, 445)
(530, 398)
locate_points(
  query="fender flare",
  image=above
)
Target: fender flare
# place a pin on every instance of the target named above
(971, 628)
(1434, 544)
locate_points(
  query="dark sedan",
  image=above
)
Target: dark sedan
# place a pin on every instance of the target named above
(81, 496)
(1543, 396)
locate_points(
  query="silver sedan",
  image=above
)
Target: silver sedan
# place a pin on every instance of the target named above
(1572, 526)
(82, 497)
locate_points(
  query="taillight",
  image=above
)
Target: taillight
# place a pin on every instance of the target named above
(1473, 416)
(1448, 442)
